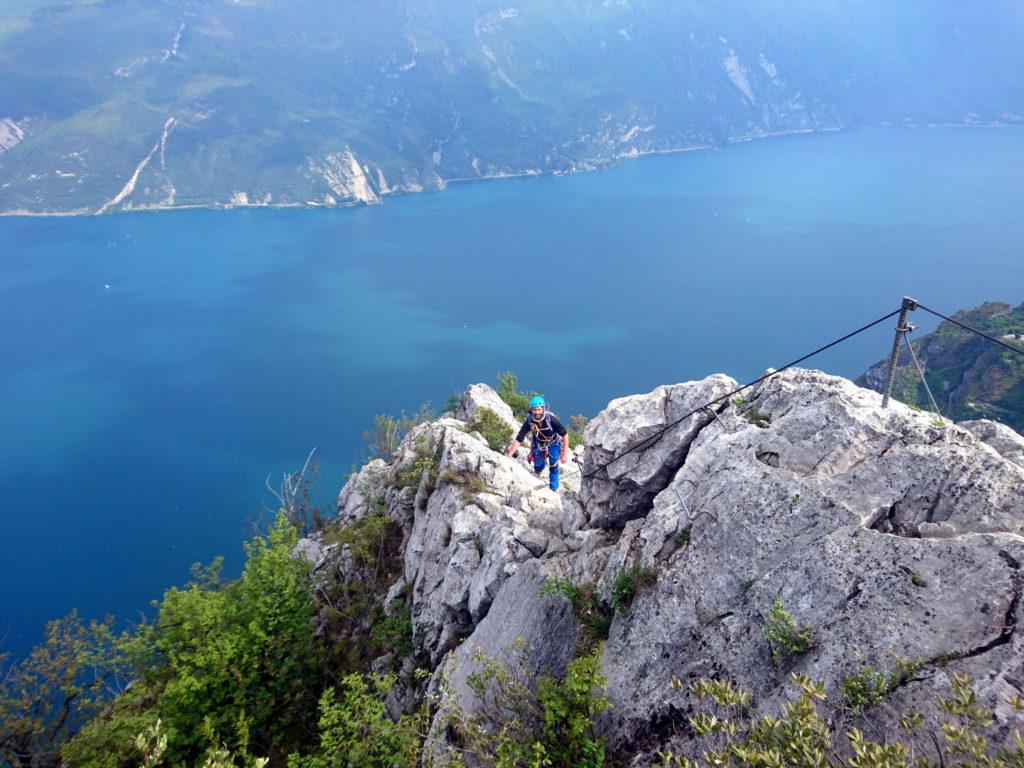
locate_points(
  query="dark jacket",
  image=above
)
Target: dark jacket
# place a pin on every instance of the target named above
(549, 429)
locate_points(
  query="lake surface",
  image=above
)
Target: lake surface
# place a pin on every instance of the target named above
(155, 368)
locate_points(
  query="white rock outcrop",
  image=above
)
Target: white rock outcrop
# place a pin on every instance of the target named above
(886, 535)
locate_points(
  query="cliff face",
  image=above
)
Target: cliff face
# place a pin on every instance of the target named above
(969, 376)
(885, 535)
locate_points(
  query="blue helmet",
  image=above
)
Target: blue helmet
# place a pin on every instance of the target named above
(537, 402)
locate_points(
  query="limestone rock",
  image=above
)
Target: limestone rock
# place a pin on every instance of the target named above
(367, 484)
(1000, 437)
(634, 447)
(883, 533)
(531, 635)
(311, 550)
(832, 525)
(479, 396)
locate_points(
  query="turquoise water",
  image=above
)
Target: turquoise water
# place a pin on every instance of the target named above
(156, 368)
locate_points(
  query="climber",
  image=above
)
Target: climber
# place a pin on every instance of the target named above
(546, 430)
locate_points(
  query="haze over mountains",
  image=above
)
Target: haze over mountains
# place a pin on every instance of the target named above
(112, 105)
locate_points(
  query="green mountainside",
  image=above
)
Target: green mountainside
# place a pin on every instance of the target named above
(970, 377)
(108, 105)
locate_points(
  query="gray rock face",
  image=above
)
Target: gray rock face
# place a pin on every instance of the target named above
(625, 483)
(884, 534)
(544, 639)
(831, 508)
(1000, 437)
(361, 488)
(479, 396)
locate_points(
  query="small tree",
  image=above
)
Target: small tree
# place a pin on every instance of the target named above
(45, 697)
(492, 427)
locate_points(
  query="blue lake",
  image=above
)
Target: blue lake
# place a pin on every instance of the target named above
(155, 368)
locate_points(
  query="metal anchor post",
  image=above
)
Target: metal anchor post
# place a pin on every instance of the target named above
(902, 328)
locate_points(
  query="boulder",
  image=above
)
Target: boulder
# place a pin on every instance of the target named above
(637, 443)
(479, 396)
(999, 437)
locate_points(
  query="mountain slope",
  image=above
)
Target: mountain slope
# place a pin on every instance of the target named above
(114, 106)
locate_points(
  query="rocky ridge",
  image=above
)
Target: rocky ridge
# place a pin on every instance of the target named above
(885, 534)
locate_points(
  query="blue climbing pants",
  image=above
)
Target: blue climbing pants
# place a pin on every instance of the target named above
(553, 452)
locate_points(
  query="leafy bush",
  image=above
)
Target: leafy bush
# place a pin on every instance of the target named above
(387, 433)
(518, 726)
(49, 693)
(384, 438)
(470, 482)
(223, 665)
(425, 460)
(569, 708)
(349, 604)
(577, 424)
(494, 429)
(356, 730)
(786, 638)
(594, 618)
(801, 737)
(394, 632)
(453, 402)
(756, 418)
(367, 538)
(628, 583)
(868, 687)
(508, 390)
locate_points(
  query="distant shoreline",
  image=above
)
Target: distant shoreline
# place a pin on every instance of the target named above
(590, 165)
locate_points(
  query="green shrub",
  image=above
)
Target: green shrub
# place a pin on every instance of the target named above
(800, 737)
(387, 433)
(61, 682)
(868, 687)
(569, 708)
(470, 483)
(350, 604)
(517, 726)
(508, 390)
(367, 538)
(786, 638)
(594, 618)
(223, 665)
(393, 633)
(425, 460)
(756, 418)
(628, 583)
(356, 730)
(577, 424)
(494, 429)
(453, 403)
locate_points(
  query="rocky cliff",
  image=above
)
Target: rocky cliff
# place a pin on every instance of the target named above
(884, 536)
